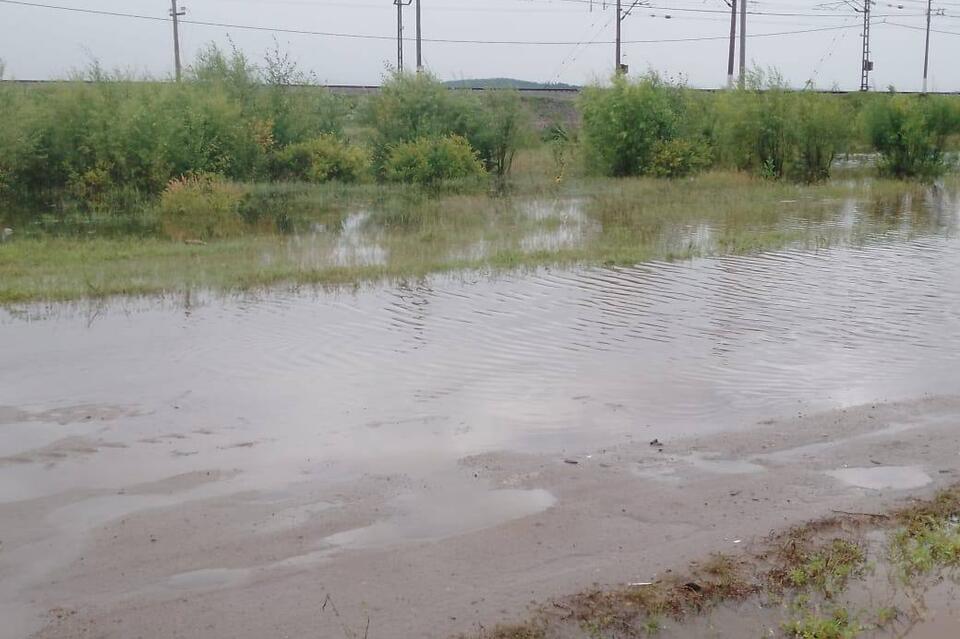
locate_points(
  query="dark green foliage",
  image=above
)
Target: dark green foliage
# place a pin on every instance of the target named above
(505, 128)
(85, 140)
(911, 134)
(414, 107)
(679, 157)
(321, 159)
(633, 128)
(774, 132)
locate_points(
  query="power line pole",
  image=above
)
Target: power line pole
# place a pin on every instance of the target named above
(419, 42)
(926, 48)
(733, 42)
(400, 5)
(866, 64)
(743, 44)
(399, 35)
(618, 68)
(175, 13)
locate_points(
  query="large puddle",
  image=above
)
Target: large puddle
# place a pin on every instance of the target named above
(406, 375)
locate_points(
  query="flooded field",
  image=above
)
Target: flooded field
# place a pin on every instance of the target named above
(165, 455)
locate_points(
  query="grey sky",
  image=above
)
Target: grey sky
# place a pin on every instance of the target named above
(41, 43)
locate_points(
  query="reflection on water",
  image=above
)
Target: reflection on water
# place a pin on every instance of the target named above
(445, 367)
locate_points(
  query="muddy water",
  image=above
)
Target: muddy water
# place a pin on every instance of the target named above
(277, 389)
(447, 367)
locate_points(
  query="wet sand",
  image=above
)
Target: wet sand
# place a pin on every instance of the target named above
(423, 551)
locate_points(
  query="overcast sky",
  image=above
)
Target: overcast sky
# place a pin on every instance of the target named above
(40, 43)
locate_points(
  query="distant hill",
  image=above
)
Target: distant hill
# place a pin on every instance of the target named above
(505, 83)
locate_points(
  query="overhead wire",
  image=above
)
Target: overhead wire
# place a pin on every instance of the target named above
(392, 38)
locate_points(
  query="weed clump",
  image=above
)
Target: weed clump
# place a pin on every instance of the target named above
(826, 568)
(322, 159)
(837, 625)
(429, 161)
(929, 537)
(636, 611)
(201, 207)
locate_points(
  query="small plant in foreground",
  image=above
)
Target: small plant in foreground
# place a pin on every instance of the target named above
(838, 625)
(826, 569)
(926, 543)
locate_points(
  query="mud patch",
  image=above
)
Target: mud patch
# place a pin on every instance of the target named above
(65, 415)
(883, 477)
(59, 451)
(445, 513)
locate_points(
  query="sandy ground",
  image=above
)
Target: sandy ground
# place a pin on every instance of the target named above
(428, 550)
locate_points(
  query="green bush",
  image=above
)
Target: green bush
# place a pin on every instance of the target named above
(84, 137)
(631, 128)
(201, 207)
(413, 107)
(505, 127)
(429, 161)
(774, 132)
(911, 133)
(322, 159)
(822, 127)
(678, 158)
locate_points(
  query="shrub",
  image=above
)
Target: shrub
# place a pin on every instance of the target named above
(410, 107)
(753, 134)
(201, 207)
(678, 158)
(629, 124)
(428, 161)
(822, 126)
(322, 159)
(774, 132)
(911, 134)
(100, 131)
(505, 128)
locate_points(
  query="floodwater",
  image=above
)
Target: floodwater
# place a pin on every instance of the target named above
(451, 366)
(273, 389)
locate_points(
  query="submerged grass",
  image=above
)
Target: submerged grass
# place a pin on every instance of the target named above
(336, 235)
(805, 573)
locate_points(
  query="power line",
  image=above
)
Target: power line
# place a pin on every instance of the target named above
(104, 12)
(907, 26)
(361, 36)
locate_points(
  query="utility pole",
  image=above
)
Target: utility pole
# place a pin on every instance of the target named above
(926, 48)
(866, 63)
(733, 42)
(175, 13)
(419, 42)
(743, 44)
(400, 5)
(618, 68)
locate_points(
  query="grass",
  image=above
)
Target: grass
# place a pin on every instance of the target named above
(341, 235)
(928, 537)
(806, 573)
(836, 625)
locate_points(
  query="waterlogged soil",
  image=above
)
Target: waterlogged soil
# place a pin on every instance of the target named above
(428, 458)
